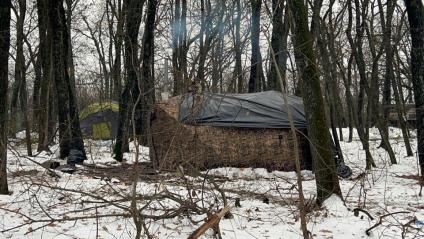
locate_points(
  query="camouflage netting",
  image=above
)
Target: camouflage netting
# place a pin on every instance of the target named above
(205, 147)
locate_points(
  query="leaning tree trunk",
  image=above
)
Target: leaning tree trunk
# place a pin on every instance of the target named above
(5, 6)
(415, 11)
(325, 168)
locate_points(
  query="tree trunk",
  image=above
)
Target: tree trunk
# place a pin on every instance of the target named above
(206, 37)
(415, 11)
(325, 168)
(182, 58)
(38, 78)
(329, 78)
(256, 72)
(44, 33)
(116, 71)
(358, 114)
(179, 46)
(132, 88)
(5, 7)
(390, 75)
(70, 137)
(279, 37)
(148, 82)
(20, 73)
(238, 71)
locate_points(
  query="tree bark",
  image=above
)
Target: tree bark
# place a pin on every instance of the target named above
(148, 82)
(280, 31)
(44, 33)
(389, 74)
(5, 7)
(179, 46)
(325, 168)
(116, 71)
(256, 71)
(238, 71)
(329, 77)
(70, 136)
(20, 72)
(132, 89)
(415, 11)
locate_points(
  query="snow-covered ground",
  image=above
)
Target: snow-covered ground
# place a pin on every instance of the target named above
(96, 201)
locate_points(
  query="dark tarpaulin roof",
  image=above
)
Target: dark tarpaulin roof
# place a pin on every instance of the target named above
(253, 110)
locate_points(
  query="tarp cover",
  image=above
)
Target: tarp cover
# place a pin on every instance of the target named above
(253, 110)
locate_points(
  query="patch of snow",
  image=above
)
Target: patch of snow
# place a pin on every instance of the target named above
(335, 206)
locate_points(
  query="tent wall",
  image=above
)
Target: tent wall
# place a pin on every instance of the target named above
(101, 118)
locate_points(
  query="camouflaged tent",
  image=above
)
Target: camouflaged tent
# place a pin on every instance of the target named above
(235, 130)
(100, 120)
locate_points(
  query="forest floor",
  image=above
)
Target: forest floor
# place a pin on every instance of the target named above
(95, 201)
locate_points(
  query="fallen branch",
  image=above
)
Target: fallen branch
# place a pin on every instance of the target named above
(210, 223)
(18, 155)
(380, 221)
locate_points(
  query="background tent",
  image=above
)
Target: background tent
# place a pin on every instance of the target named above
(100, 120)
